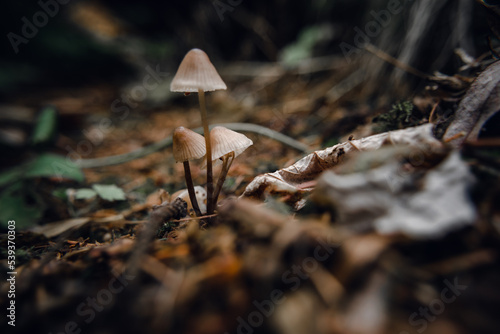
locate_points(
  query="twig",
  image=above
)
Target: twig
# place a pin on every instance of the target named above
(193, 218)
(433, 111)
(162, 144)
(455, 136)
(391, 60)
(266, 132)
(160, 214)
(484, 142)
(278, 69)
(345, 86)
(352, 144)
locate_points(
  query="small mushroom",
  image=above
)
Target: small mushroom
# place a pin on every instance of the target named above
(188, 145)
(197, 74)
(227, 145)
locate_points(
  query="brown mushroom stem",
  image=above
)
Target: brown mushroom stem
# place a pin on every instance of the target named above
(206, 133)
(190, 188)
(226, 165)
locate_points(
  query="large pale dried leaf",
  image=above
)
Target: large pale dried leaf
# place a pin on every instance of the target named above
(478, 105)
(396, 198)
(294, 178)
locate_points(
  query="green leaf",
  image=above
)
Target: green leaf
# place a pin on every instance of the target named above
(109, 192)
(46, 125)
(85, 193)
(15, 207)
(303, 47)
(51, 165)
(60, 193)
(11, 175)
(45, 165)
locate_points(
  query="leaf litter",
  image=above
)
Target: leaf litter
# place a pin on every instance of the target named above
(378, 227)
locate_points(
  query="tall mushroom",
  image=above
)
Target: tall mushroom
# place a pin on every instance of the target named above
(188, 145)
(227, 145)
(197, 74)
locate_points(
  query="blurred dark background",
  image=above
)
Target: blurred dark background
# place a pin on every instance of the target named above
(297, 67)
(88, 42)
(70, 75)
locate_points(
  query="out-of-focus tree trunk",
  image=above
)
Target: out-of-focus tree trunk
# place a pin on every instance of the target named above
(424, 35)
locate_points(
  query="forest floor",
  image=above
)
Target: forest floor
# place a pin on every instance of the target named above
(342, 252)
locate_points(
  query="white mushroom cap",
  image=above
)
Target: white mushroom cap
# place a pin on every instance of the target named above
(188, 145)
(225, 141)
(196, 72)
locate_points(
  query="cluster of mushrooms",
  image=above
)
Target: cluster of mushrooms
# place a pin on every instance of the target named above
(197, 74)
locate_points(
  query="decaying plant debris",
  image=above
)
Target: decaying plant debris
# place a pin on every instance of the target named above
(369, 258)
(395, 232)
(401, 195)
(296, 177)
(480, 103)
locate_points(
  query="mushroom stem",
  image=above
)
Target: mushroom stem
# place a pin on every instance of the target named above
(190, 188)
(206, 133)
(227, 162)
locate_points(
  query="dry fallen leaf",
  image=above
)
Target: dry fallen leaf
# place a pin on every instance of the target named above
(480, 103)
(399, 197)
(291, 180)
(56, 228)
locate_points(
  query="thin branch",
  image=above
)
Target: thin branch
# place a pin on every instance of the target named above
(193, 218)
(162, 144)
(160, 214)
(393, 61)
(278, 69)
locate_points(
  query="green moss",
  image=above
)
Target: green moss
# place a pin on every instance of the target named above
(402, 115)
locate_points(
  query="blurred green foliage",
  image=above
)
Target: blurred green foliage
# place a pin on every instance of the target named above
(107, 192)
(18, 197)
(45, 129)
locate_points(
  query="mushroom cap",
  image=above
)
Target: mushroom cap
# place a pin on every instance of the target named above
(196, 72)
(188, 145)
(225, 141)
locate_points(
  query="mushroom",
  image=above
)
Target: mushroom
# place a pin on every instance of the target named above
(227, 145)
(188, 145)
(197, 74)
